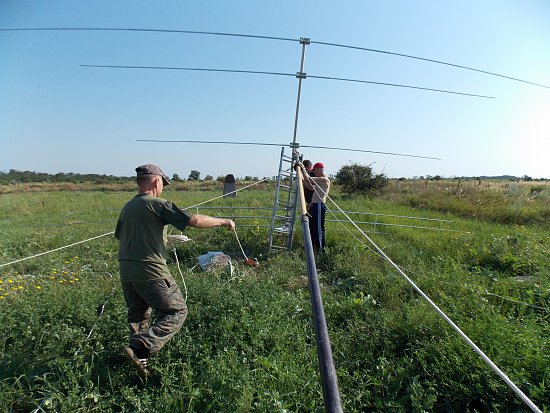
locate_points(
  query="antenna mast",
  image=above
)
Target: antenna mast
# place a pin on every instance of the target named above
(284, 212)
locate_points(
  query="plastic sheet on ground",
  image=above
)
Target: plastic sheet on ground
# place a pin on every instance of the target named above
(216, 261)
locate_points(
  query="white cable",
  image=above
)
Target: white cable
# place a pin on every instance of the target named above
(57, 249)
(487, 360)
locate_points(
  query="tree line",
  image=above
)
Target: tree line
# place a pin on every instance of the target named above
(14, 176)
(354, 178)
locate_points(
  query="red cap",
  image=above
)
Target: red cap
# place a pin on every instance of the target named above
(318, 165)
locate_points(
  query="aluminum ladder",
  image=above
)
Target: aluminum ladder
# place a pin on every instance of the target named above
(283, 218)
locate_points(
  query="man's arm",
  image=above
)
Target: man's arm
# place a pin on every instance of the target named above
(205, 221)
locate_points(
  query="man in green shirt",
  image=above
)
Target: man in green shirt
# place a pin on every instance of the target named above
(146, 281)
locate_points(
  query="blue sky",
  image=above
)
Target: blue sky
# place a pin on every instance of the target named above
(57, 116)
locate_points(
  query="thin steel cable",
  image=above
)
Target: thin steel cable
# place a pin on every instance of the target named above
(341, 222)
(485, 358)
(280, 144)
(401, 216)
(428, 60)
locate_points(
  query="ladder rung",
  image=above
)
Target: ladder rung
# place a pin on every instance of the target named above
(285, 217)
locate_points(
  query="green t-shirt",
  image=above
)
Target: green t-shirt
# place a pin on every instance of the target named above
(140, 230)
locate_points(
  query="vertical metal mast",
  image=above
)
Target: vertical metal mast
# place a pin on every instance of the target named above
(282, 222)
(304, 41)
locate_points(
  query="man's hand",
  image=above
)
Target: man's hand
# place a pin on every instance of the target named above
(229, 224)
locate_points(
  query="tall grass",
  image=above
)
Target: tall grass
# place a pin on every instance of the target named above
(496, 201)
(248, 343)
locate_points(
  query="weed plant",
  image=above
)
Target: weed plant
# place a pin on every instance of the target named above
(248, 344)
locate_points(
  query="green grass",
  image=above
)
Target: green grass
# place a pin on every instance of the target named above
(248, 344)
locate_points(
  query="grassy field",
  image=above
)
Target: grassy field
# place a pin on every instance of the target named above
(248, 344)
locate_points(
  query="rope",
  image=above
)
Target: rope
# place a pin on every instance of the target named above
(239, 242)
(112, 232)
(181, 273)
(487, 360)
(221, 196)
(56, 249)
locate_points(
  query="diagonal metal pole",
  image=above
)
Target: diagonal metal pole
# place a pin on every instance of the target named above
(329, 381)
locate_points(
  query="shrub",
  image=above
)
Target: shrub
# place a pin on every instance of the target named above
(356, 178)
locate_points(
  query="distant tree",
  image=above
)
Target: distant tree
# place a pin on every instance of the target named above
(194, 175)
(526, 178)
(220, 178)
(360, 179)
(208, 178)
(176, 177)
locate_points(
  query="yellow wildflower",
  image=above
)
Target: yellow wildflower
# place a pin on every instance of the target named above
(37, 287)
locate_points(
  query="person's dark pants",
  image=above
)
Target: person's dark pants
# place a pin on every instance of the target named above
(317, 225)
(162, 296)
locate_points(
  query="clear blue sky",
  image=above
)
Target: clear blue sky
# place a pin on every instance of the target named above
(56, 116)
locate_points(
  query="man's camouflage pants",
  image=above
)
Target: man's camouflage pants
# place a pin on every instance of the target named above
(164, 298)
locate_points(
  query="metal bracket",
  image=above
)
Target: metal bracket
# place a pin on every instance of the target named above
(301, 75)
(305, 40)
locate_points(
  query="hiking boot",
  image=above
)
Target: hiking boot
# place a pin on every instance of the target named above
(141, 365)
